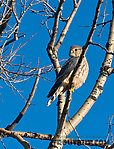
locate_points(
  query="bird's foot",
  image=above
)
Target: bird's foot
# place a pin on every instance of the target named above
(72, 89)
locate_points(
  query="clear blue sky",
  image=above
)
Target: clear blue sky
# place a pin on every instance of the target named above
(42, 119)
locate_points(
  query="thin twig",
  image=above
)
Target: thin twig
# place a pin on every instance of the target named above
(101, 47)
(21, 114)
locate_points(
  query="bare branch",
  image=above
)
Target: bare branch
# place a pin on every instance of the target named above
(93, 25)
(21, 114)
(59, 134)
(111, 147)
(65, 30)
(61, 99)
(110, 134)
(51, 52)
(3, 144)
(110, 71)
(12, 40)
(6, 18)
(101, 47)
(47, 4)
(25, 144)
(97, 90)
(104, 15)
(69, 141)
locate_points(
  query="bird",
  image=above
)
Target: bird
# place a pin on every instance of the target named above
(63, 78)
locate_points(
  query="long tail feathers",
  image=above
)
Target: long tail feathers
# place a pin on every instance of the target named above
(50, 101)
(58, 92)
(52, 98)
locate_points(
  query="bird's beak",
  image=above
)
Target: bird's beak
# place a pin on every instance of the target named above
(72, 53)
(73, 50)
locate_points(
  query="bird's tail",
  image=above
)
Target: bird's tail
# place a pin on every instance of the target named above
(52, 99)
(58, 91)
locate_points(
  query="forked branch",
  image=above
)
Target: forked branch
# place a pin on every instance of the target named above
(98, 88)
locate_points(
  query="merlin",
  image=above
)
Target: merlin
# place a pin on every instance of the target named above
(63, 78)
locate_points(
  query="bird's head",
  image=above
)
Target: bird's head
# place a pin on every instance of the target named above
(75, 51)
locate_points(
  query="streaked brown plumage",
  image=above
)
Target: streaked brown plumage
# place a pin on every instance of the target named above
(62, 81)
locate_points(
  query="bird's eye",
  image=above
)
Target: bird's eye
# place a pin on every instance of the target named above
(75, 49)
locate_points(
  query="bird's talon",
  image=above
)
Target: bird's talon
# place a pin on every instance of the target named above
(72, 89)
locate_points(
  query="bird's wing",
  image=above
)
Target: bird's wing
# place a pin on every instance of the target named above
(63, 74)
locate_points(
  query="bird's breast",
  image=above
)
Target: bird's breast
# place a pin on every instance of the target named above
(81, 74)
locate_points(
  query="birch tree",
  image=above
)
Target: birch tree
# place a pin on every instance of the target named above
(13, 72)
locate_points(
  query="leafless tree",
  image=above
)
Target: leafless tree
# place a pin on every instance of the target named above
(13, 72)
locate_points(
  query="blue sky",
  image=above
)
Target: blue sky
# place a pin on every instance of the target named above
(40, 118)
